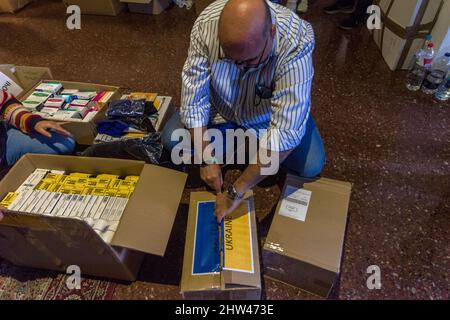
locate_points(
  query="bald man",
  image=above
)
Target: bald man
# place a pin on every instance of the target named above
(249, 66)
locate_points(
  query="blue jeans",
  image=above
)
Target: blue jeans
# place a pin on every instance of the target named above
(19, 143)
(306, 160)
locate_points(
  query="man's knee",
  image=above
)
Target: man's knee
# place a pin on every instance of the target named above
(173, 133)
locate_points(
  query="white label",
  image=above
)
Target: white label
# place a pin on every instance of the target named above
(295, 203)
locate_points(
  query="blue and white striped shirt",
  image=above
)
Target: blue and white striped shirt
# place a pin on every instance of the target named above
(216, 90)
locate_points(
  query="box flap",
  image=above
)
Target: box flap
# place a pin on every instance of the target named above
(147, 221)
(318, 239)
(24, 77)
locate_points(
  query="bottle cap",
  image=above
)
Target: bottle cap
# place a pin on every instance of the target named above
(430, 45)
(428, 37)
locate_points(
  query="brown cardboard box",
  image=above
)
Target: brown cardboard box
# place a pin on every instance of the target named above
(210, 273)
(404, 27)
(307, 254)
(83, 132)
(98, 7)
(12, 6)
(55, 243)
(147, 6)
(200, 5)
(23, 78)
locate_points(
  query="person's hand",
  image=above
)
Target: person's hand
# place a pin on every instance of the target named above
(212, 176)
(43, 127)
(225, 206)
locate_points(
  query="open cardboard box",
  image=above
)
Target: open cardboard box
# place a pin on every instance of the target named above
(305, 241)
(18, 80)
(54, 243)
(84, 132)
(232, 272)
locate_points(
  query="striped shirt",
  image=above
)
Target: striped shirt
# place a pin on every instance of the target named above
(215, 90)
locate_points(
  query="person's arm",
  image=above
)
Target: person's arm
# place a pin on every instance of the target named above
(195, 104)
(12, 111)
(290, 112)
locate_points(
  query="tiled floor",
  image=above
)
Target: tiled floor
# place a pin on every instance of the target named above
(393, 145)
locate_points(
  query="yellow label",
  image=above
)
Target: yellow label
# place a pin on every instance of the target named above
(70, 181)
(98, 192)
(54, 177)
(65, 189)
(124, 194)
(88, 190)
(55, 187)
(237, 240)
(103, 183)
(6, 202)
(111, 192)
(79, 175)
(82, 182)
(132, 178)
(107, 176)
(115, 184)
(92, 182)
(126, 185)
(43, 185)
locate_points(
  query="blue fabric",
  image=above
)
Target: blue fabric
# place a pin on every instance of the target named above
(18, 143)
(307, 160)
(207, 243)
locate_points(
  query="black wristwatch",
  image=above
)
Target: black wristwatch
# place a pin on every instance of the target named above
(232, 193)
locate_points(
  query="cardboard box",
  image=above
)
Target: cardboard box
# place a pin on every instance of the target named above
(147, 6)
(83, 132)
(54, 243)
(200, 5)
(404, 27)
(304, 245)
(18, 80)
(98, 7)
(210, 272)
(12, 6)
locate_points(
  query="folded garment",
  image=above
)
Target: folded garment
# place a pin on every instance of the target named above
(126, 109)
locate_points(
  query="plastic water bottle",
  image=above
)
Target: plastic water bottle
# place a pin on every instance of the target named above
(437, 75)
(443, 92)
(422, 62)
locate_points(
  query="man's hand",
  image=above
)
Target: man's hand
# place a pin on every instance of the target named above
(212, 176)
(225, 206)
(43, 127)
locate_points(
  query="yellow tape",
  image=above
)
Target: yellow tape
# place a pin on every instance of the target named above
(237, 241)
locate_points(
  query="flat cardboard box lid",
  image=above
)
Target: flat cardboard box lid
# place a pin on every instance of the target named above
(25, 77)
(319, 239)
(225, 279)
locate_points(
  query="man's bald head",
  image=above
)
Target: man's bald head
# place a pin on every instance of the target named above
(243, 27)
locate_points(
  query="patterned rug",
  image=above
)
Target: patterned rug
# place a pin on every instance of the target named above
(18, 283)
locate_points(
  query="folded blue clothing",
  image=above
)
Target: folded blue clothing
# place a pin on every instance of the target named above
(115, 128)
(126, 109)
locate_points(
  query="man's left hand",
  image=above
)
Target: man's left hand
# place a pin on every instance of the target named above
(224, 206)
(43, 127)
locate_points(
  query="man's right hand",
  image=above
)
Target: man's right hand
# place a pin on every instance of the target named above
(212, 176)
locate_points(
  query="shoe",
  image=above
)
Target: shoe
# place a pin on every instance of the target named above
(302, 6)
(337, 8)
(350, 23)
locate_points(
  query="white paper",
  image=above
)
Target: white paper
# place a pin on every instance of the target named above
(295, 203)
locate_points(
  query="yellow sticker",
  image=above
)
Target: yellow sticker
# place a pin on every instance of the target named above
(55, 187)
(6, 202)
(132, 178)
(107, 176)
(111, 192)
(98, 192)
(79, 175)
(103, 183)
(92, 182)
(237, 240)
